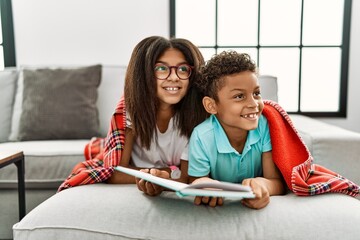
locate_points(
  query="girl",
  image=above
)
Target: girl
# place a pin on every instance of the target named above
(162, 108)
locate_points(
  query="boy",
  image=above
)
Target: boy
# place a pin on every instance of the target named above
(233, 144)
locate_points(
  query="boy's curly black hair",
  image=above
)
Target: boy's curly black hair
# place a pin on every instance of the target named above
(221, 65)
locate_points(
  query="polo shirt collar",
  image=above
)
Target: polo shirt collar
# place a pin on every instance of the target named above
(222, 142)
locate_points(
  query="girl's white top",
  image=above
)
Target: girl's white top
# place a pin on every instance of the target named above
(168, 150)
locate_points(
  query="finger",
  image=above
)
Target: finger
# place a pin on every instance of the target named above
(220, 201)
(213, 202)
(245, 203)
(257, 192)
(141, 184)
(197, 200)
(256, 203)
(159, 173)
(149, 189)
(154, 171)
(137, 180)
(205, 200)
(246, 182)
(157, 189)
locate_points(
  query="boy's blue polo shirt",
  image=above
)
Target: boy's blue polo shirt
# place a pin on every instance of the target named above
(210, 152)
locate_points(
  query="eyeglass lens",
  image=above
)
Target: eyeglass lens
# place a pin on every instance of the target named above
(163, 71)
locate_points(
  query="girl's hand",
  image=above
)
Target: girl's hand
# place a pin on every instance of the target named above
(262, 196)
(149, 188)
(211, 201)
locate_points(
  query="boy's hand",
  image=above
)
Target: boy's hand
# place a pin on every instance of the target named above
(262, 196)
(211, 201)
(149, 188)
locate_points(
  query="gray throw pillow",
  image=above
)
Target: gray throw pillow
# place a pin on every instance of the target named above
(60, 104)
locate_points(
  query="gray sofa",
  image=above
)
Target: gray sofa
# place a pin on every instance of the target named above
(47, 162)
(103, 211)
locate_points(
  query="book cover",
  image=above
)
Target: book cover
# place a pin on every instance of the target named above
(209, 189)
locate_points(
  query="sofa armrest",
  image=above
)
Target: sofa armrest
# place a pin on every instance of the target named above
(332, 147)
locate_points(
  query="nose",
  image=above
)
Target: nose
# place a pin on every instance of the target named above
(173, 76)
(252, 102)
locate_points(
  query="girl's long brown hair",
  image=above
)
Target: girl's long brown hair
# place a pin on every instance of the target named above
(140, 88)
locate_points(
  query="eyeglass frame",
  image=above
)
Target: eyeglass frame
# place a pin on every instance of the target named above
(176, 69)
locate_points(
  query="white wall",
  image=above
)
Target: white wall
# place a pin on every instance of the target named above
(85, 31)
(106, 31)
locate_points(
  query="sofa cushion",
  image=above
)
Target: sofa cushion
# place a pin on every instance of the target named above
(57, 104)
(47, 163)
(104, 211)
(8, 79)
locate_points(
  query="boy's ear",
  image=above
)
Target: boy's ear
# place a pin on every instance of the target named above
(209, 105)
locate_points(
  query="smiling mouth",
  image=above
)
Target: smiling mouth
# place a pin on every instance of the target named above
(250, 116)
(172, 88)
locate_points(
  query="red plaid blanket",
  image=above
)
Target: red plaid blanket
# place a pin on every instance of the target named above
(290, 154)
(295, 162)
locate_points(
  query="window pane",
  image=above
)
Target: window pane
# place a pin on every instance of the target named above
(195, 20)
(280, 22)
(320, 84)
(237, 22)
(207, 53)
(251, 51)
(324, 28)
(2, 65)
(283, 63)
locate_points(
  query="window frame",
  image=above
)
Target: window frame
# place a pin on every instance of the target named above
(343, 86)
(7, 28)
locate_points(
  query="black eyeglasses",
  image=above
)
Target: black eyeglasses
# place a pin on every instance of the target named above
(163, 71)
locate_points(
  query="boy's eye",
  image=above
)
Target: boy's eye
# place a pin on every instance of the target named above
(257, 93)
(239, 96)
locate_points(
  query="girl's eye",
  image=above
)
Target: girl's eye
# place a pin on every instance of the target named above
(161, 68)
(183, 68)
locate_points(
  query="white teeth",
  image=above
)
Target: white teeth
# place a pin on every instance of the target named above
(250, 115)
(171, 88)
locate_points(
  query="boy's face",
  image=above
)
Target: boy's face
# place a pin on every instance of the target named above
(240, 104)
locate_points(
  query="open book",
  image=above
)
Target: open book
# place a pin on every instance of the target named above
(209, 189)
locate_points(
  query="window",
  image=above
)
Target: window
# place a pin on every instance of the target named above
(305, 43)
(7, 47)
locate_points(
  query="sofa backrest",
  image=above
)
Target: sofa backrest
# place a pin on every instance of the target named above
(109, 93)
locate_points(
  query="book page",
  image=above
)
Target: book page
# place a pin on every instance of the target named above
(228, 190)
(220, 185)
(215, 193)
(167, 183)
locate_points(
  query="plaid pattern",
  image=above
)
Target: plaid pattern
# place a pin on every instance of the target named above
(295, 162)
(101, 154)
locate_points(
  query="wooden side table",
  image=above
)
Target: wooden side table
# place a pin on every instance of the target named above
(16, 157)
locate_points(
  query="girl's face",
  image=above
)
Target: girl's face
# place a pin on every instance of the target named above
(240, 104)
(171, 90)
